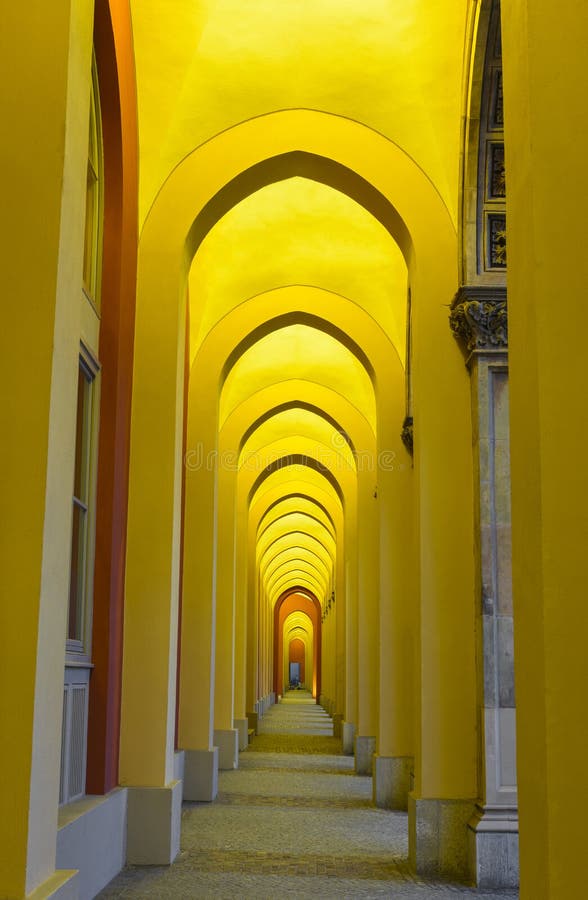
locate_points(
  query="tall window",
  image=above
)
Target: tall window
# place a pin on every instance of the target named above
(78, 666)
(94, 186)
(80, 574)
(78, 660)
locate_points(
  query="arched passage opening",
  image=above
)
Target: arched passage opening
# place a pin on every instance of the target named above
(297, 599)
(421, 227)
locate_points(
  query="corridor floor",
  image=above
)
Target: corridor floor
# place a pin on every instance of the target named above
(292, 821)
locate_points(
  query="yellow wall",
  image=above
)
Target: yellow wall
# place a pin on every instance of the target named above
(318, 236)
(42, 247)
(547, 276)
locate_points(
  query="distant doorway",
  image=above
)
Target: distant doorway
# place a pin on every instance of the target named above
(294, 673)
(297, 639)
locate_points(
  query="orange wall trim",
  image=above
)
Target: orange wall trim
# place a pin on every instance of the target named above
(116, 75)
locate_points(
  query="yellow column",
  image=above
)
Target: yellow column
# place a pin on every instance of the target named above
(330, 635)
(341, 657)
(252, 619)
(147, 760)
(367, 622)
(446, 748)
(41, 235)
(333, 656)
(268, 667)
(226, 737)
(262, 647)
(198, 658)
(326, 656)
(241, 630)
(395, 758)
(544, 56)
(350, 599)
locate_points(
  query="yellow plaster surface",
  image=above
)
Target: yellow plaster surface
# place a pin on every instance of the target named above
(303, 353)
(318, 236)
(394, 64)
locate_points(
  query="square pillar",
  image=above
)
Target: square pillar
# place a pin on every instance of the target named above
(438, 838)
(153, 824)
(479, 320)
(365, 748)
(392, 781)
(348, 738)
(227, 741)
(242, 726)
(201, 775)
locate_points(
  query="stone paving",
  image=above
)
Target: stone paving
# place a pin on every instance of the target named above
(293, 821)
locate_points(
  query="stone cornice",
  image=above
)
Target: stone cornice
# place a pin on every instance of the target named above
(479, 319)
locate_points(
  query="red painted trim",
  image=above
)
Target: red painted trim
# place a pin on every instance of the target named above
(116, 74)
(288, 602)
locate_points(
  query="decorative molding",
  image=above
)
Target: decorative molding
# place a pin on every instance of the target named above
(496, 241)
(497, 109)
(496, 171)
(407, 434)
(479, 319)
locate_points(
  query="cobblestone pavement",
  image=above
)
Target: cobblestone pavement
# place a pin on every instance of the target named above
(290, 822)
(297, 713)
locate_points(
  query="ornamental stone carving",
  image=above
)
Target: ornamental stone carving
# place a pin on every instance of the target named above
(407, 434)
(479, 319)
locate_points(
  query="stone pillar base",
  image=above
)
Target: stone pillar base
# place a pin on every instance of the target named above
(265, 703)
(392, 781)
(200, 775)
(493, 844)
(253, 720)
(227, 741)
(63, 884)
(242, 726)
(365, 747)
(179, 765)
(438, 837)
(337, 725)
(153, 824)
(92, 839)
(348, 737)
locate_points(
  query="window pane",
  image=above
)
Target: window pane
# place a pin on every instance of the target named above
(94, 188)
(77, 581)
(84, 413)
(79, 533)
(79, 438)
(90, 232)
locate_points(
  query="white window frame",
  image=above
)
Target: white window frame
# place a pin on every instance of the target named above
(79, 651)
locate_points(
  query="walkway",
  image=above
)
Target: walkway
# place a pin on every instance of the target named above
(292, 821)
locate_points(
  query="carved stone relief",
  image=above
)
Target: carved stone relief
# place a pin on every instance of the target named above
(479, 319)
